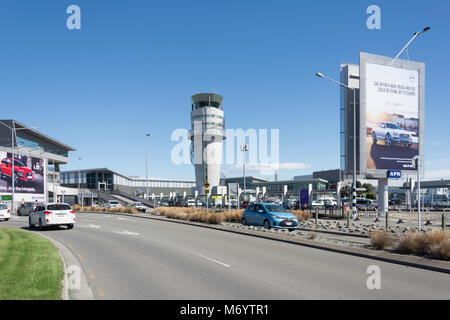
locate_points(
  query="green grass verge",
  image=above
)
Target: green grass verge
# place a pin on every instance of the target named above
(30, 266)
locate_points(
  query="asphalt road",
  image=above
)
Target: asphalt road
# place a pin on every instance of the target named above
(135, 258)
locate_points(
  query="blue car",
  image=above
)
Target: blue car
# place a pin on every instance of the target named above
(269, 215)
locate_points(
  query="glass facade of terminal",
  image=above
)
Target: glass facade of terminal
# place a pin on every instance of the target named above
(107, 180)
(24, 142)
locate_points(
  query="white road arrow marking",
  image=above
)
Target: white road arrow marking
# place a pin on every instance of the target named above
(94, 226)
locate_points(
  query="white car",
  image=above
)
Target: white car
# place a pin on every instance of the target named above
(138, 206)
(52, 214)
(390, 133)
(4, 212)
(317, 203)
(112, 204)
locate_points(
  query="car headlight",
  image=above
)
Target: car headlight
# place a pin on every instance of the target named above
(395, 134)
(276, 217)
(21, 174)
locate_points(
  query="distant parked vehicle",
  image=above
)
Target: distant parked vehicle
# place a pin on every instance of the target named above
(365, 204)
(269, 215)
(52, 214)
(4, 212)
(26, 208)
(317, 204)
(138, 206)
(112, 204)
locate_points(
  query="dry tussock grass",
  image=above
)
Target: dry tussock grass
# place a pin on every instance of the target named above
(381, 239)
(302, 215)
(201, 215)
(435, 243)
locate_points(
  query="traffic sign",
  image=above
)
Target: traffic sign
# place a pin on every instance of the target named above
(206, 185)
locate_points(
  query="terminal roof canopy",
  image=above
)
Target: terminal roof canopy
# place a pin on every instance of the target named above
(29, 134)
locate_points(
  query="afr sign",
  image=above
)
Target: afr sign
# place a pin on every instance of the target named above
(394, 174)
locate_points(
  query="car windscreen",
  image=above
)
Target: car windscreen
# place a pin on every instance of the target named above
(392, 126)
(56, 207)
(3, 206)
(275, 208)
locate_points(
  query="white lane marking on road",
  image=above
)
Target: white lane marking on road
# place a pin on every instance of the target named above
(123, 219)
(128, 233)
(89, 226)
(213, 260)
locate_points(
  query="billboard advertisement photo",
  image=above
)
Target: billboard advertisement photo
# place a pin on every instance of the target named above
(29, 177)
(392, 113)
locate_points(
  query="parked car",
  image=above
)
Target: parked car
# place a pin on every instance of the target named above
(4, 212)
(112, 204)
(138, 206)
(390, 133)
(52, 214)
(269, 215)
(245, 204)
(26, 208)
(395, 202)
(21, 171)
(317, 203)
(365, 204)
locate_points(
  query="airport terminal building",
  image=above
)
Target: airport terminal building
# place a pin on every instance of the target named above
(104, 179)
(37, 159)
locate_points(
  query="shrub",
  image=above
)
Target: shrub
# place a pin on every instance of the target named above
(440, 250)
(302, 215)
(435, 243)
(381, 239)
(312, 235)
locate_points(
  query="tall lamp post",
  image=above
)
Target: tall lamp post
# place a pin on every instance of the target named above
(79, 159)
(354, 141)
(417, 162)
(13, 134)
(244, 147)
(416, 34)
(146, 165)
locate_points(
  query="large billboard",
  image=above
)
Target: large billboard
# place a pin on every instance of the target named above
(392, 102)
(29, 177)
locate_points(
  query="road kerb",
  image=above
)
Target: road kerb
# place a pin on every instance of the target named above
(69, 259)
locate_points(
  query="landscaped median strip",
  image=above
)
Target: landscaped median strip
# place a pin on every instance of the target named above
(406, 260)
(30, 266)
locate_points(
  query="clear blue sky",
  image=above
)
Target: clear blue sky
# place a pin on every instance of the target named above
(133, 66)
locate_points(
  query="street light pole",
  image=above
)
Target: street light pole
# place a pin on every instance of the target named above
(416, 34)
(244, 147)
(417, 159)
(320, 75)
(146, 166)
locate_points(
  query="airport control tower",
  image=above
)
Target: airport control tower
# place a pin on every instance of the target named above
(207, 134)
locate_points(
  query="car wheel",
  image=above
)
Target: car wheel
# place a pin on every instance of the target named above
(244, 222)
(388, 140)
(374, 138)
(30, 224)
(70, 226)
(7, 219)
(41, 227)
(266, 224)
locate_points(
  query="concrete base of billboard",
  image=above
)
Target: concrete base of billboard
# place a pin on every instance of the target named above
(383, 196)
